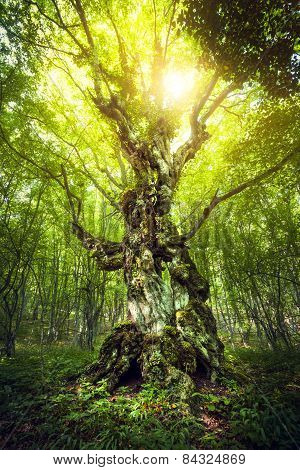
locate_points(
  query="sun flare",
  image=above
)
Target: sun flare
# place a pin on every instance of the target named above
(178, 84)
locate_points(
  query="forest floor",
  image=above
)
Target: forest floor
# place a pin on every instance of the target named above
(257, 405)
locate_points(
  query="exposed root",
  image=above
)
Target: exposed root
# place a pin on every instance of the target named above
(119, 350)
(168, 360)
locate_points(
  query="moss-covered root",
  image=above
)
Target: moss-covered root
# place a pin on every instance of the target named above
(119, 350)
(168, 360)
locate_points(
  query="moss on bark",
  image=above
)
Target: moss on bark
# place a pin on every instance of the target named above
(197, 326)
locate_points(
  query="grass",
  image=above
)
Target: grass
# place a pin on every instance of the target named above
(255, 406)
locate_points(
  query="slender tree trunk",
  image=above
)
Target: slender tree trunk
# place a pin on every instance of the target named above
(10, 344)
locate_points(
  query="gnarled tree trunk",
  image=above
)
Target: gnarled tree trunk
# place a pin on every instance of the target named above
(171, 333)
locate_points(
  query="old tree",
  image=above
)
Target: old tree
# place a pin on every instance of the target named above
(120, 98)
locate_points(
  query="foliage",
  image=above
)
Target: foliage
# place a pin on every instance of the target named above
(51, 413)
(252, 39)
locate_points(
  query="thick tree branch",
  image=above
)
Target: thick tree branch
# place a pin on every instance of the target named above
(111, 178)
(188, 150)
(108, 254)
(81, 13)
(201, 101)
(216, 103)
(198, 136)
(247, 184)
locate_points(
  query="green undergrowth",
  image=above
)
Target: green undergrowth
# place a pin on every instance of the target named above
(255, 406)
